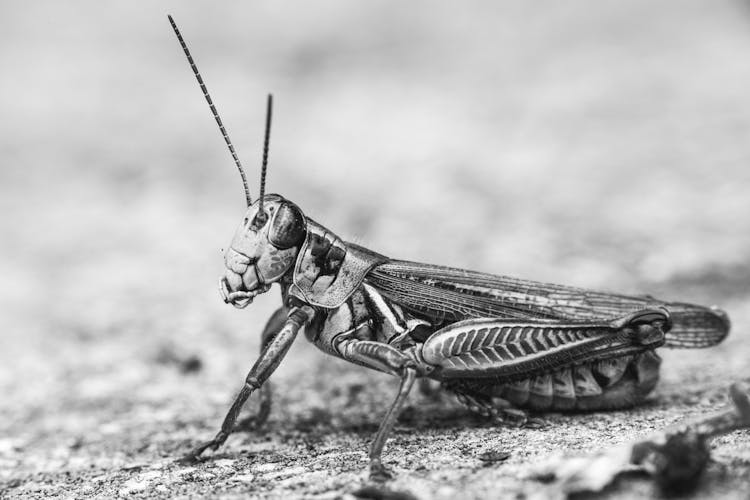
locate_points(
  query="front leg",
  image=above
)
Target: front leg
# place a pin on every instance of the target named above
(262, 369)
(384, 358)
(273, 327)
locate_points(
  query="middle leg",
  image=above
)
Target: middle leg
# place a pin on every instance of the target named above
(389, 360)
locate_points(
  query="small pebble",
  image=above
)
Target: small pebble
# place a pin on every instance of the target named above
(493, 456)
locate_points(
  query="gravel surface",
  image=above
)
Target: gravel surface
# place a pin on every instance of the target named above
(593, 143)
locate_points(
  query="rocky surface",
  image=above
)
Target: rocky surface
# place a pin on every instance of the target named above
(592, 143)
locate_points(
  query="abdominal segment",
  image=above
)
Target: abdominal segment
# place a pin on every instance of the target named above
(600, 385)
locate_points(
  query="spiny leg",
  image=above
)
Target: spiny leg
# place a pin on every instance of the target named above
(259, 373)
(498, 410)
(253, 422)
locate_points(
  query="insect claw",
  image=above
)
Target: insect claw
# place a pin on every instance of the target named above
(190, 458)
(378, 472)
(195, 455)
(534, 423)
(512, 417)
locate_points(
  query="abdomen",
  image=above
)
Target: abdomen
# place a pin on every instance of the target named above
(599, 385)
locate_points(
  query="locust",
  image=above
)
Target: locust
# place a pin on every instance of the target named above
(504, 346)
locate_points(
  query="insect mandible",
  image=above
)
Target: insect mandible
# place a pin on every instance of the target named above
(502, 345)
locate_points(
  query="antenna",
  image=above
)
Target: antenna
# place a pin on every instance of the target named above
(269, 113)
(213, 110)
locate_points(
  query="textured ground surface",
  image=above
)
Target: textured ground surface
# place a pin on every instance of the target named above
(594, 143)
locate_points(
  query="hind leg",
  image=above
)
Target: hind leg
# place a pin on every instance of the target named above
(497, 409)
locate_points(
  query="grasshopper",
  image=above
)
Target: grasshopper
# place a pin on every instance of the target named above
(502, 345)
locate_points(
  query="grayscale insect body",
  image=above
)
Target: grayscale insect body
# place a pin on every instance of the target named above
(501, 344)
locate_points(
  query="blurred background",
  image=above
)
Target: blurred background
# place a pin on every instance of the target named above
(594, 143)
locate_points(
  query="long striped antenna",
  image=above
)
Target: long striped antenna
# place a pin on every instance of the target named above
(269, 113)
(213, 109)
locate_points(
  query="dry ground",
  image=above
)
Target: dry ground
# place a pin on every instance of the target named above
(602, 144)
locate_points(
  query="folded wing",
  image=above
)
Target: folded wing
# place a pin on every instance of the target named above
(447, 295)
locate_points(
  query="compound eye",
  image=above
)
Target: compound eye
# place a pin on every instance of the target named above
(288, 227)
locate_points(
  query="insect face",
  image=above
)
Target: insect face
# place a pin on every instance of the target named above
(263, 249)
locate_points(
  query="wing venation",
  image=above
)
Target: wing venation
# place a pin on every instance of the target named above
(445, 295)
